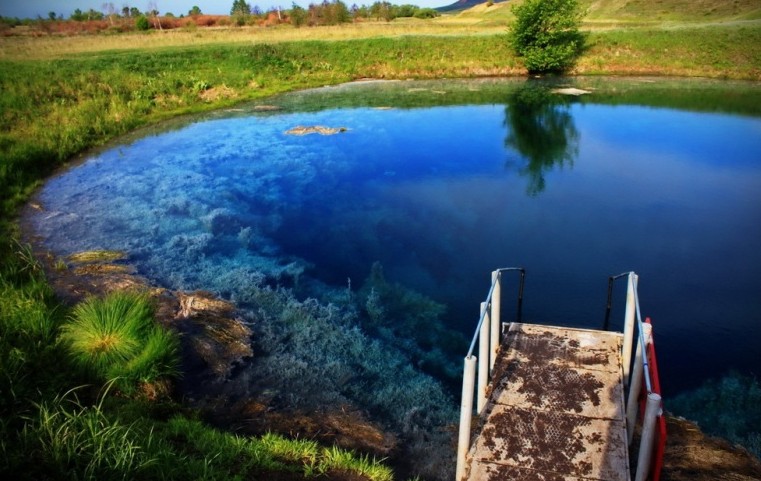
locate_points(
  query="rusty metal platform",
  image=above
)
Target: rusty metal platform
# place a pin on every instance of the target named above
(555, 409)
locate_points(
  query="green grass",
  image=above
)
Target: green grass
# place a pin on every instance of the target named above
(66, 440)
(693, 52)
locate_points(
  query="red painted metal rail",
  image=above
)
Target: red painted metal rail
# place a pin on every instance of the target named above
(659, 447)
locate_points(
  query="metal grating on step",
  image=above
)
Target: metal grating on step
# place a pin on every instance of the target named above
(556, 409)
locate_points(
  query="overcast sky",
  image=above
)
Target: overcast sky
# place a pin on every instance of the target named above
(33, 8)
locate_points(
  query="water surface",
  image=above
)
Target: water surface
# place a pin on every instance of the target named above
(443, 182)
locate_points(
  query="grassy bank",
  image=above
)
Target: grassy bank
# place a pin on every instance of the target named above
(715, 52)
(62, 96)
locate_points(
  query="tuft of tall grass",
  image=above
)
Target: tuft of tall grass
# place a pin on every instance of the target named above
(116, 338)
(337, 459)
(66, 440)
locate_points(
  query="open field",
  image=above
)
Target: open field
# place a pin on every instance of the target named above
(642, 16)
(62, 95)
(26, 47)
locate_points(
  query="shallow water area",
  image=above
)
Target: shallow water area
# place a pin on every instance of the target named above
(441, 182)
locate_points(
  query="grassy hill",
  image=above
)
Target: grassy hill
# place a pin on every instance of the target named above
(682, 10)
(628, 12)
(461, 5)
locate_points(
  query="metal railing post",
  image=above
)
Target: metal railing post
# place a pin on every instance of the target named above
(496, 326)
(488, 334)
(483, 358)
(632, 404)
(609, 303)
(652, 411)
(631, 292)
(466, 414)
(519, 313)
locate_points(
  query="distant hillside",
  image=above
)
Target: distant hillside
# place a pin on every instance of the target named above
(629, 10)
(464, 5)
(673, 9)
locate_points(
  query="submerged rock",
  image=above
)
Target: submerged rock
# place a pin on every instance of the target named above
(97, 256)
(316, 129)
(266, 108)
(222, 221)
(216, 335)
(571, 91)
(97, 268)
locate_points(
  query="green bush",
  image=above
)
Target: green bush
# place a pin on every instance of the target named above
(117, 338)
(142, 23)
(546, 34)
(426, 13)
(298, 16)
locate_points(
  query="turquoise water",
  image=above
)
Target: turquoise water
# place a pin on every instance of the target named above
(439, 194)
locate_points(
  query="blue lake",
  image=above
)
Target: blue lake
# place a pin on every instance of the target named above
(441, 183)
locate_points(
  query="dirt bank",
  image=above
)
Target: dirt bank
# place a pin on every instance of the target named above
(693, 456)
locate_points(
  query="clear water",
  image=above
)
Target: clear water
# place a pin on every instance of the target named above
(441, 191)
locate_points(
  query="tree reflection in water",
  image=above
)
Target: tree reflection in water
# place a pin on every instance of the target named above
(541, 130)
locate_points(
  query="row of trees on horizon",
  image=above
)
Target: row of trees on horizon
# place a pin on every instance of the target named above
(242, 12)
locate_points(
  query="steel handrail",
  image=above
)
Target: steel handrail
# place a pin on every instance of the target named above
(632, 278)
(488, 337)
(652, 419)
(489, 299)
(608, 307)
(642, 343)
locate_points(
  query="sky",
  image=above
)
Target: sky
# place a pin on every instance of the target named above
(33, 8)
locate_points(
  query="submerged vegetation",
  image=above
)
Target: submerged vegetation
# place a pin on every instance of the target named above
(729, 407)
(62, 96)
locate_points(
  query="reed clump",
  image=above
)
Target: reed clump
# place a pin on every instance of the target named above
(116, 338)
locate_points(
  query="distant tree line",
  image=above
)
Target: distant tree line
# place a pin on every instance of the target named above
(109, 10)
(335, 12)
(328, 12)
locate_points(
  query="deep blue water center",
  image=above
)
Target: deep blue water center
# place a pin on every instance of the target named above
(441, 191)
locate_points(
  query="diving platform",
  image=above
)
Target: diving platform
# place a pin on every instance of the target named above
(557, 403)
(555, 409)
